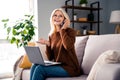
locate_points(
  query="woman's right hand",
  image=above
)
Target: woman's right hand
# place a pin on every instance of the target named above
(41, 41)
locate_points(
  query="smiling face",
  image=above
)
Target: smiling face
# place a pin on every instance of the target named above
(58, 18)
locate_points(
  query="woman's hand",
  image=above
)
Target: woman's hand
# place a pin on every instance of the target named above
(44, 42)
(66, 24)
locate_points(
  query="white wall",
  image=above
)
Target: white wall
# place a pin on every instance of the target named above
(45, 7)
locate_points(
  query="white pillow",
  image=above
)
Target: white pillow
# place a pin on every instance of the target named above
(97, 44)
(110, 56)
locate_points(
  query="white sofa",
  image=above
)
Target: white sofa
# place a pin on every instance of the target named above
(88, 49)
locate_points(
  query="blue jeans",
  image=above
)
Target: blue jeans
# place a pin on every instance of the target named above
(39, 72)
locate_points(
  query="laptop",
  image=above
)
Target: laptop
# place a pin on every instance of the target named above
(35, 56)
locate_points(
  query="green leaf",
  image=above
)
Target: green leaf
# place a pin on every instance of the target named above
(14, 32)
(21, 25)
(20, 44)
(31, 32)
(17, 26)
(8, 30)
(25, 43)
(13, 40)
(7, 38)
(23, 29)
(31, 17)
(5, 20)
(24, 32)
(5, 25)
(83, 2)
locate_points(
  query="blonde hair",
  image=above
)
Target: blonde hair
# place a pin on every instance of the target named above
(53, 28)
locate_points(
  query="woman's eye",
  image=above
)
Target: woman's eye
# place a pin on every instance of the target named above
(55, 15)
(58, 16)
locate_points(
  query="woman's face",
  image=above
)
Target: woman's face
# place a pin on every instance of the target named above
(58, 18)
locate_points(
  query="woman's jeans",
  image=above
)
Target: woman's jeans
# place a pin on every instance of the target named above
(39, 72)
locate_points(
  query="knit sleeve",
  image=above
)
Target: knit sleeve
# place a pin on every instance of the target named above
(68, 38)
(49, 51)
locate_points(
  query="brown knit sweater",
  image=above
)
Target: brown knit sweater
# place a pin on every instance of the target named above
(62, 50)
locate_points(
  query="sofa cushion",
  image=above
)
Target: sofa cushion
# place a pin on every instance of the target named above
(96, 45)
(110, 56)
(82, 77)
(26, 74)
(80, 46)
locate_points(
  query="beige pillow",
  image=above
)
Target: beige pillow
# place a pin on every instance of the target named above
(110, 56)
(80, 47)
(97, 44)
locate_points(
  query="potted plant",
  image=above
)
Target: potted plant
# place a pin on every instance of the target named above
(83, 3)
(21, 32)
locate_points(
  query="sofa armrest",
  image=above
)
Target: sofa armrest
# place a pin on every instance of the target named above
(16, 70)
(109, 72)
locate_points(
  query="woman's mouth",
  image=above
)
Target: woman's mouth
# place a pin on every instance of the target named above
(57, 22)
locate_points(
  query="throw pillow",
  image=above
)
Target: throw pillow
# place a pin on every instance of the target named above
(25, 63)
(97, 44)
(80, 47)
(110, 56)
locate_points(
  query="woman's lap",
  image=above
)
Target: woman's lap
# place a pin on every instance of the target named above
(49, 71)
(55, 71)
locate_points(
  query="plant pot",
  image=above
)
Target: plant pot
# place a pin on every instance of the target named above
(90, 17)
(83, 5)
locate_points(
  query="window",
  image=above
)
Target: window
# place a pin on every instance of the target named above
(14, 10)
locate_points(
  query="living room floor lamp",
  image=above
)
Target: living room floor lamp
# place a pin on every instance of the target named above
(115, 19)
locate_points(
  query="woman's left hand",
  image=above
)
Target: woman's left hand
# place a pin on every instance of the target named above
(66, 24)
